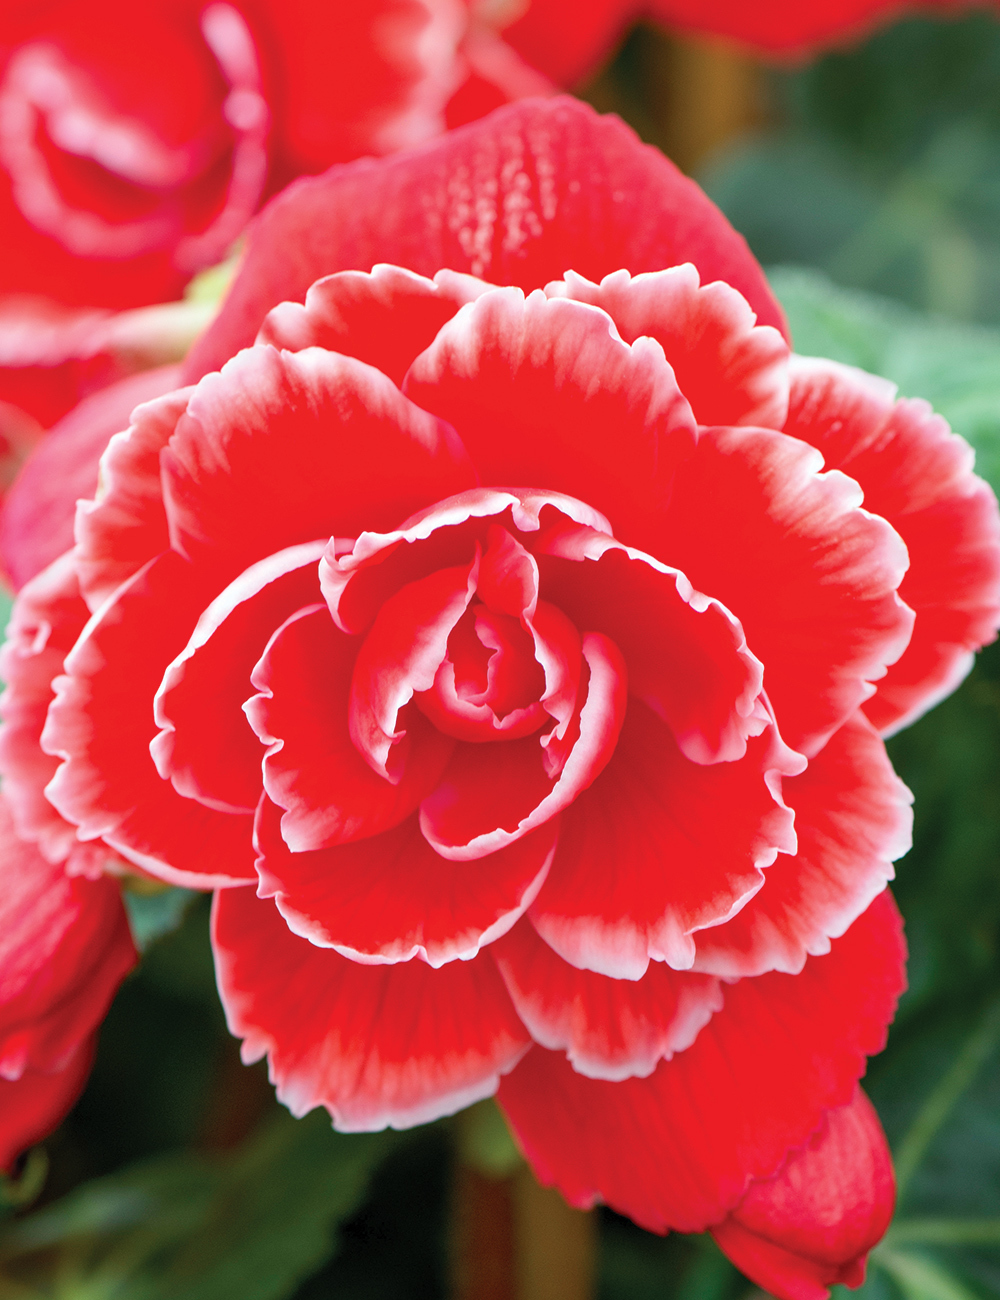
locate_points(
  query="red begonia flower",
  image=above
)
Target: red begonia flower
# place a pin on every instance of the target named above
(65, 947)
(510, 662)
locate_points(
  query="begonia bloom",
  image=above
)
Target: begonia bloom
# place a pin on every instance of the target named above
(490, 634)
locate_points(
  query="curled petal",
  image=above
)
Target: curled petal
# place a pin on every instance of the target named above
(645, 858)
(205, 748)
(679, 1150)
(812, 578)
(312, 768)
(390, 897)
(730, 369)
(376, 1045)
(491, 795)
(35, 1103)
(280, 448)
(608, 1028)
(384, 317)
(852, 819)
(812, 1224)
(918, 475)
(544, 391)
(101, 723)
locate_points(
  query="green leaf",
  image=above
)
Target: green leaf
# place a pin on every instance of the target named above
(956, 367)
(250, 1225)
(920, 1278)
(156, 912)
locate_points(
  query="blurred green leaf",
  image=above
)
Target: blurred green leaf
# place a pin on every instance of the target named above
(249, 1225)
(155, 913)
(955, 367)
(920, 1278)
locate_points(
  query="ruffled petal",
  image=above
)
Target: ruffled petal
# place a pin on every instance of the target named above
(126, 525)
(687, 656)
(49, 614)
(812, 1225)
(65, 947)
(376, 1045)
(206, 748)
(282, 447)
(516, 199)
(918, 475)
(384, 317)
(678, 1150)
(812, 578)
(390, 897)
(36, 1103)
(645, 858)
(730, 369)
(853, 818)
(543, 391)
(491, 795)
(312, 769)
(101, 723)
(36, 522)
(608, 1028)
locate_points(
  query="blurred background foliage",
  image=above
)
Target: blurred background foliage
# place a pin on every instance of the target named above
(870, 181)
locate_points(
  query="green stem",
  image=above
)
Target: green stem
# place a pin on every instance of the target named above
(938, 1105)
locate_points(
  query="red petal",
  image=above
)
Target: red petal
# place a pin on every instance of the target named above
(812, 1225)
(491, 795)
(36, 524)
(281, 448)
(401, 655)
(677, 1150)
(312, 768)
(543, 392)
(609, 1028)
(852, 819)
(376, 1045)
(126, 525)
(48, 616)
(645, 857)
(731, 370)
(519, 198)
(101, 723)
(384, 318)
(811, 577)
(36, 1103)
(918, 475)
(686, 654)
(65, 947)
(390, 897)
(206, 748)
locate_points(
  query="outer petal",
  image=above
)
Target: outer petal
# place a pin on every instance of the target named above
(101, 723)
(206, 747)
(917, 474)
(36, 523)
(48, 616)
(390, 897)
(126, 525)
(312, 769)
(608, 1028)
(544, 392)
(36, 1103)
(378, 1046)
(384, 318)
(678, 1150)
(811, 577)
(852, 820)
(281, 448)
(516, 199)
(65, 947)
(731, 370)
(812, 1225)
(645, 858)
